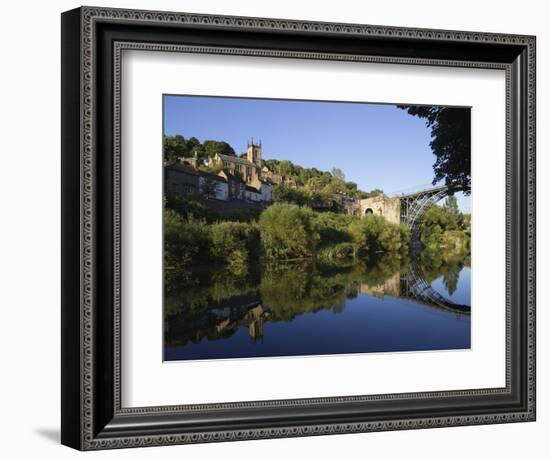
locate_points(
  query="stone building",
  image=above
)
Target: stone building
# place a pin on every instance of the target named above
(181, 180)
(252, 194)
(238, 179)
(218, 184)
(389, 208)
(248, 168)
(236, 185)
(266, 190)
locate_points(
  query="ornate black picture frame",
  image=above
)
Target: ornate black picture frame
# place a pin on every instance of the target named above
(92, 41)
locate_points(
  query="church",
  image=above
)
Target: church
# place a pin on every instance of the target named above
(248, 168)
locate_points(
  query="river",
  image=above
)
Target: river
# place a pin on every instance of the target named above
(301, 308)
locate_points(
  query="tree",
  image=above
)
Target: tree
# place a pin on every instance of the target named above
(285, 168)
(450, 279)
(451, 205)
(287, 232)
(213, 147)
(185, 241)
(192, 142)
(375, 234)
(437, 220)
(199, 151)
(337, 173)
(298, 196)
(235, 244)
(451, 141)
(174, 147)
(209, 187)
(373, 193)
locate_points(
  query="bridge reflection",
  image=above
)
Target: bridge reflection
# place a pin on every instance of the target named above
(412, 285)
(224, 317)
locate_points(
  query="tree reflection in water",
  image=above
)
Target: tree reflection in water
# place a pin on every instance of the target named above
(214, 303)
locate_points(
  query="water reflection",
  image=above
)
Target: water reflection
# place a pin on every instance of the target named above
(302, 308)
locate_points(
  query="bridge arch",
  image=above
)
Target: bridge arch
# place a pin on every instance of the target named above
(409, 208)
(415, 286)
(381, 205)
(415, 204)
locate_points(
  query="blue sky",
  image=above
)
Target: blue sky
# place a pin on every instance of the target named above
(375, 145)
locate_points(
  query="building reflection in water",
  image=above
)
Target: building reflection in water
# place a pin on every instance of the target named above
(254, 318)
(218, 311)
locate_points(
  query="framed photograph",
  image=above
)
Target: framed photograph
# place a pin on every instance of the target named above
(277, 228)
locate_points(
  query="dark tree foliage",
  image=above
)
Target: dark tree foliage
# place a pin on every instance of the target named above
(176, 147)
(212, 147)
(451, 140)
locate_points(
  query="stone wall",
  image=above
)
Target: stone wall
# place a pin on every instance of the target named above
(389, 208)
(390, 287)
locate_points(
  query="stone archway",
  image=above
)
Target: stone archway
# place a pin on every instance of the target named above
(381, 205)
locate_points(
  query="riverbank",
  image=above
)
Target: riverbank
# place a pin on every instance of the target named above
(282, 232)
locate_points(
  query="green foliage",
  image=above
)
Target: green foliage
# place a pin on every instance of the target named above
(441, 219)
(243, 216)
(290, 289)
(237, 244)
(287, 232)
(185, 241)
(285, 290)
(209, 187)
(379, 268)
(338, 252)
(332, 227)
(193, 207)
(446, 264)
(298, 196)
(337, 173)
(451, 141)
(451, 205)
(313, 186)
(285, 168)
(176, 146)
(213, 147)
(375, 192)
(190, 241)
(374, 234)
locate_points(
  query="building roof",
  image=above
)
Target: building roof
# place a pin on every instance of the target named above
(212, 176)
(227, 174)
(266, 181)
(183, 168)
(236, 160)
(252, 189)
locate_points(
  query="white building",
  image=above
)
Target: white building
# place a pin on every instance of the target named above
(252, 194)
(266, 190)
(217, 184)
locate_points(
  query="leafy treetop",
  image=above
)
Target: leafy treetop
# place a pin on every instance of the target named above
(451, 140)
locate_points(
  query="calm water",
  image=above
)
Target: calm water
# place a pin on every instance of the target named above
(291, 309)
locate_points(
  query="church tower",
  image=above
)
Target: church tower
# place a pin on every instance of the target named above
(254, 153)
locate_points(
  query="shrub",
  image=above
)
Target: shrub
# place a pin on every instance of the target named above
(332, 227)
(194, 207)
(298, 196)
(184, 240)
(287, 232)
(234, 243)
(374, 234)
(340, 251)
